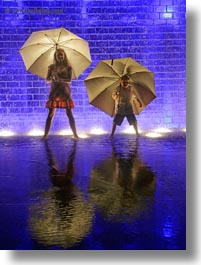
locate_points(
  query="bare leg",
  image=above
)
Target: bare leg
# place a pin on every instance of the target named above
(113, 129)
(72, 122)
(136, 128)
(49, 122)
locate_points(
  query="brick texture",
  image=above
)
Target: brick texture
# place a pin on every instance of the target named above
(153, 32)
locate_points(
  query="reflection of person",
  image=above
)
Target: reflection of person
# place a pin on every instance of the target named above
(120, 186)
(131, 173)
(59, 178)
(61, 216)
(124, 95)
(60, 75)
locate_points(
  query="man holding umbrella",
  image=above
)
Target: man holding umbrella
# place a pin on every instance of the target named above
(125, 100)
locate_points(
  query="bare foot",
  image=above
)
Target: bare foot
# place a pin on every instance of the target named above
(44, 138)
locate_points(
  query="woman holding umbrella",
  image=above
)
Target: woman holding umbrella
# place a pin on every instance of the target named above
(60, 76)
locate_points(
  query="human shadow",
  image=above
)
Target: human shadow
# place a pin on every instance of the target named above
(62, 216)
(122, 186)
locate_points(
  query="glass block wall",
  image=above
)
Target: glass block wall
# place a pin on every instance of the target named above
(153, 32)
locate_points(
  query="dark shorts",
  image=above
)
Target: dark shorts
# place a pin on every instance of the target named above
(118, 119)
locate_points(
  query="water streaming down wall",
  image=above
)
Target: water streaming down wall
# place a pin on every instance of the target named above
(152, 32)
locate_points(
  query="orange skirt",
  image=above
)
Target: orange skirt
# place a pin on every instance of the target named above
(60, 104)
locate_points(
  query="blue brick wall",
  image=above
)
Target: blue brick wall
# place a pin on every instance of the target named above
(153, 32)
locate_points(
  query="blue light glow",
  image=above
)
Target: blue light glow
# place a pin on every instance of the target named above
(150, 32)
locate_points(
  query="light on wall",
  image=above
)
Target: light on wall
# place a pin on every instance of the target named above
(6, 133)
(162, 130)
(65, 132)
(97, 131)
(35, 132)
(158, 132)
(130, 130)
(153, 135)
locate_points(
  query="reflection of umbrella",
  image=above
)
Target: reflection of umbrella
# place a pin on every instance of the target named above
(58, 219)
(120, 186)
(105, 77)
(62, 216)
(37, 52)
(115, 200)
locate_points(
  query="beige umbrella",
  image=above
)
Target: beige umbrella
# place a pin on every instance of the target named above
(105, 77)
(38, 51)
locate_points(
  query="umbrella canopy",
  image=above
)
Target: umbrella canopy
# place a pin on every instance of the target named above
(105, 77)
(38, 51)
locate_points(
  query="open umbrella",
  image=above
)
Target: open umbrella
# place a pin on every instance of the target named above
(105, 77)
(37, 52)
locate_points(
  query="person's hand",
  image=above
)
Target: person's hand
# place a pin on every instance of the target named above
(55, 76)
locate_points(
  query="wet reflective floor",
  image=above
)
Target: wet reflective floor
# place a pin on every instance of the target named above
(96, 193)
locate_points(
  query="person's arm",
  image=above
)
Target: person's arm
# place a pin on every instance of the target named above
(69, 74)
(67, 78)
(49, 74)
(115, 94)
(136, 98)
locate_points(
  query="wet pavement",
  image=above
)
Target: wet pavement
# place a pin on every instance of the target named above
(95, 193)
